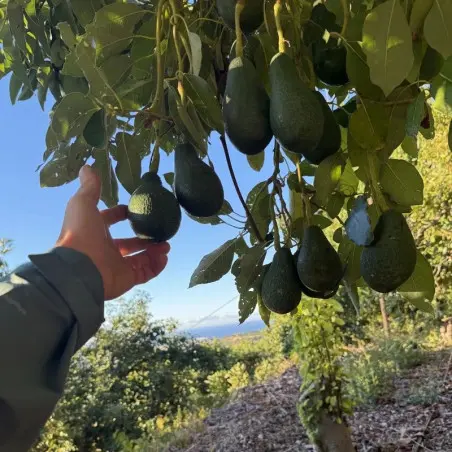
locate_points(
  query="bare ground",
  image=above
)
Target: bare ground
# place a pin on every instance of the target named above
(415, 416)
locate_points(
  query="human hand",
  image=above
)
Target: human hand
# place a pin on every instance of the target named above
(86, 229)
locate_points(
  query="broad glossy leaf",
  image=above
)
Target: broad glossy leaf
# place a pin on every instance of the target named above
(214, 265)
(362, 127)
(335, 204)
(327, 177)
(402, 182)
(387, 43)
(196, 52)
(348, 183)
(258, 201)
(247, 304)
(15, 84)
(409, 146)
(250, 267)
(204, 100)
(256, 161)
(442, 89)
(116, 69)
(140, 54)
(415, 115)
(72, 114)
(212, 220)
(169, 178)
(102, 164)
(65, 164)
(128, 168)
(15, 13)
(438, 27)
(95, 133)
(85, 11)
(350, 255)
(420, 287)
(67, 34)
(358, 225)
(264, 312)
(321, 221)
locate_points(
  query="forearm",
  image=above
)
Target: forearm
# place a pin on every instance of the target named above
(48, 309)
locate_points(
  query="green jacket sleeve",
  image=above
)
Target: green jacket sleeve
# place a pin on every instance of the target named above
(49, 308)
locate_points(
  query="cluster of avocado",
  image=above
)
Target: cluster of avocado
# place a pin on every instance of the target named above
(315, 270)
(154, 212)
(297, 116)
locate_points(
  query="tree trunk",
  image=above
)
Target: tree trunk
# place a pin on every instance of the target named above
(384, 315)
(333, 437)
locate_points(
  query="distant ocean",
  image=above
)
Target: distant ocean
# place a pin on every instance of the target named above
(212, 331)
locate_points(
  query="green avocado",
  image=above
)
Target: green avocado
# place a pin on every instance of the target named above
(390, 259)
(281, 290)
(251, 17)
(197, 186)
(153, 211)
(330, 62)
(296, 115)
(246, 108)
(319, 266)
(330, 142)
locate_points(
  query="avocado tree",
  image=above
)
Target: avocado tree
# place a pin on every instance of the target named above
(327, 90)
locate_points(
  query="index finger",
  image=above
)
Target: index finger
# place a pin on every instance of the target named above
(115, 214)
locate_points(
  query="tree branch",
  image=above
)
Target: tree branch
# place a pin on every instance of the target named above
(239, 193)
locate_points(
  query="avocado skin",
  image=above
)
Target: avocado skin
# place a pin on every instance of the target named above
(330, 62)
(319, 266)
(281, 290)
(246, 108)
(331, 136)
(197, 186)
(153, 211)
(251, 17)
(296, 116)
(391, 258)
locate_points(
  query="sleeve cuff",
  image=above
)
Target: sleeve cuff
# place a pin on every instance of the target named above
(80, 284)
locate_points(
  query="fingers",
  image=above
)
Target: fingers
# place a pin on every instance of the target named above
(90, 184)
(147, 265)
(132, 245)
(114, 215)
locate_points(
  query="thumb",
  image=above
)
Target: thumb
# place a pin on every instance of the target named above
(90, 184)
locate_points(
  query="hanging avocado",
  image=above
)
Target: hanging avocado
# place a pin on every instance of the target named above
(251, 17)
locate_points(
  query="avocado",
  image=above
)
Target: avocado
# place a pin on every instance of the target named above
(251, 17)
(391, 257)
(281, 290)
(246, 108)
(296, 115)
(319, 266)
(197, 186)
(330, 142)
(153, 211)
(330, 62)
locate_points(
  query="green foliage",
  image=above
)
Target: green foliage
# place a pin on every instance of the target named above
(5, 247)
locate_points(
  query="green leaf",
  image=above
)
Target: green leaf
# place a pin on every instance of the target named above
(169, 178)
(142, 58)
(359, 73)
(204, 100)
(358, 226)
(15, 84)
(102, 164)
(362, 127)
(258, 201)
(85, 11)
(442, 89)
(387, 43)
(321, 221)
(415, 115)
(247, 304)
(250, 267)
(212, 220)
(214, 265)
(256, 161)
(350, 255)
(420, 287)
(67, 34)
(327, 177)
(409, 146)
(95, 133)
(335, 204)
(15, 13)
(72, 115)
(438, 27)
(264, 312)
(112, 28)
(348, 183)
(128, 168)
(402, 182)
(64, 165)
(196, 52)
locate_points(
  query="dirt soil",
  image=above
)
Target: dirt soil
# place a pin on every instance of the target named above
(415, 416)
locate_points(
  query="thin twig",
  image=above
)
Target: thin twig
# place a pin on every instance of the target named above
(239, 193)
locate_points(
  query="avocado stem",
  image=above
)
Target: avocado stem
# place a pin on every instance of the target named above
(158, 37)
(238, 30)
(174, 20)
(304, 198)
(249, 216)
(346, 13)
(276, 239)
(277, 12)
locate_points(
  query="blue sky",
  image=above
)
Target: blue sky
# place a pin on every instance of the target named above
(31, 216)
